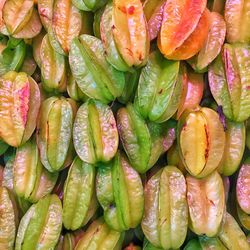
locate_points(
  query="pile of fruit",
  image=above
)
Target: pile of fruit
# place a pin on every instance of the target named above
(124, 124)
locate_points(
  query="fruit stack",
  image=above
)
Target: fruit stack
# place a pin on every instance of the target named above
(124, 124)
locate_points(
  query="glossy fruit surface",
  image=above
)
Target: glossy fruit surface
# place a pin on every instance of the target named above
(165, 218)
(203, 158)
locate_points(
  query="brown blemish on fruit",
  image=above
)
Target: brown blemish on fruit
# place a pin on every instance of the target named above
(140, 57)
(160, 92)
(42, 12)
(207, 143)
(122, 9)
(129, 51)
(211, 202)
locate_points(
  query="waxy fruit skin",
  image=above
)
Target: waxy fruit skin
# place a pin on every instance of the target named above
(193, 44)
(184, 28)
(208, 145)
(206, 204)
(79, 201)
(243, 188)
(113, 55)
(74, 91)
(19, 106)
(213, 44)
(20, 19)
(54, 132)
(63, 22)
(22, 205)
(237, 20)
(93, 74)
(31, 180)
(12, 55)
(130, 32)
(119, 190)
(100, 236)
(95, 133)
(53, 67)
(66, 23)
(143, 142)
(153, 11)
(165, 217)
(131, 84)
(159, 89)
(8, 219)
(234, 148)
(40, 227)
(229, 81)
(231, 234)
(192, 90)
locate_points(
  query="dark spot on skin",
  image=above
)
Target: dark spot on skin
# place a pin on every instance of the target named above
(131, 10)
(113, 26)
(111, 206)
(211, 202)
(42, 13)
(207, 142)
(160, 92)
(164, 221)
(184, 127)
(122, 9)
(112, 125)
(129, 51)
(140, 57)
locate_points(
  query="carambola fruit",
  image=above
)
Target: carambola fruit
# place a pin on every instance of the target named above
(165, 217)
(119, 190)
(19, 106)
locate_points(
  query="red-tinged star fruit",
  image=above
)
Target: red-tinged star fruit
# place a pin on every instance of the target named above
(193, 44)
(180, 19)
